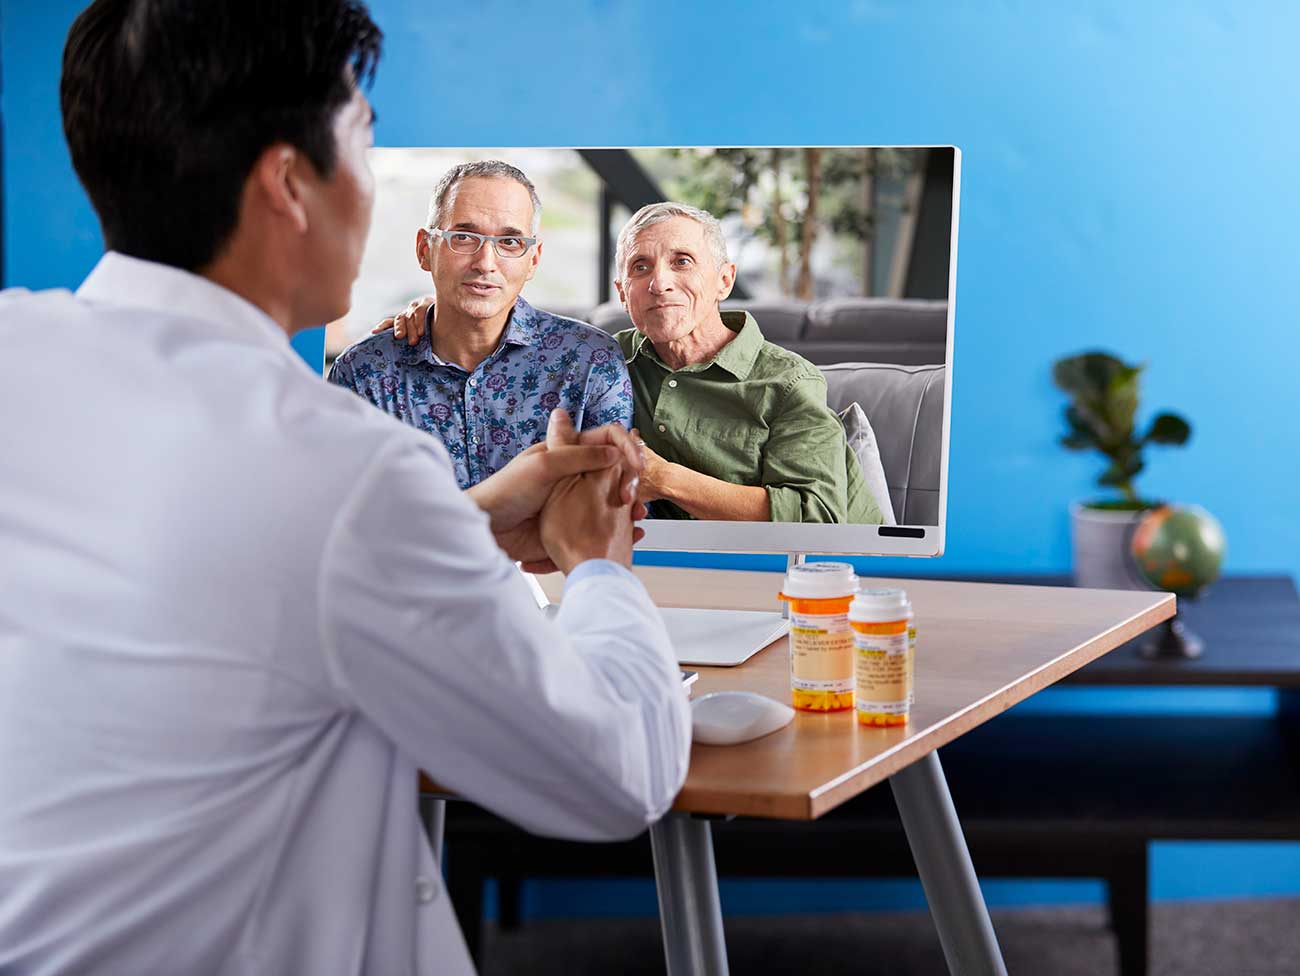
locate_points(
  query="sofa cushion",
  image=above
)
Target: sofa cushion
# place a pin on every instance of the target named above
(781, 321)
(875, 330)
(610, 317)
(862, 442)
(877, 320)
(907, 353)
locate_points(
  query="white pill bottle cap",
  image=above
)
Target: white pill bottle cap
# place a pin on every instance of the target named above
(819, 581)
(880, 605)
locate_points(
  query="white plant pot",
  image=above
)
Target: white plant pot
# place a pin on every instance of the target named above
(1101, 538)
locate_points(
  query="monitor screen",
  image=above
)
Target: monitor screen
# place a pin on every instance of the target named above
(777, 323)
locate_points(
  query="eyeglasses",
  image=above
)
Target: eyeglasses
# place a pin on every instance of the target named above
(465, 242)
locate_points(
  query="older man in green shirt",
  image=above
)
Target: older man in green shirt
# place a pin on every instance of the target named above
(735, 428)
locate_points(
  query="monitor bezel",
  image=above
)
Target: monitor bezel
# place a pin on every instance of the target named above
(797, 537)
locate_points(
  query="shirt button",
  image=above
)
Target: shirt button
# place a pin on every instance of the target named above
(672, 382)
(662, 428)
(425, 890)
(474, 439)
(473, 382)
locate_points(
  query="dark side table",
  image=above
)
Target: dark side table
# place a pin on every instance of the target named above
(1251, 628)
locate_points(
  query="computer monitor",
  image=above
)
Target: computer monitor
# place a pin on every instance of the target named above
(845, 262)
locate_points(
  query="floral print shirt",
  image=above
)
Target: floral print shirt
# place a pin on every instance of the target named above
(488, 416)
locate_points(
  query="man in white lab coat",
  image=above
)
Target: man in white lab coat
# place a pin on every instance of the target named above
(240, 608)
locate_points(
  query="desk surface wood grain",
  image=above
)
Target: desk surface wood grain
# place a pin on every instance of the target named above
(981, 648)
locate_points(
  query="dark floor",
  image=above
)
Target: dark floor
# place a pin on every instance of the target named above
(1232, 938)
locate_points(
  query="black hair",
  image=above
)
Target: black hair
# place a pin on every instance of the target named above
(167, 104)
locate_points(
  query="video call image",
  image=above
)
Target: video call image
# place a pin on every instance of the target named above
(773, 321)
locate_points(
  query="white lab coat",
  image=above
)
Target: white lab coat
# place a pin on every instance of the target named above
(238, 609)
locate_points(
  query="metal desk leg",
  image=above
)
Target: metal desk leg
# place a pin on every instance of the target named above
(943, 862)
(433, 811)
(687, 883)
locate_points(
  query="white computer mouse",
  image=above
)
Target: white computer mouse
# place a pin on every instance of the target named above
(724, 718)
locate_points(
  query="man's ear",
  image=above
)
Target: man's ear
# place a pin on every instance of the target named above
(726, 281)
(278, 185)
(618, 284)
(532, 261)
(423, 243)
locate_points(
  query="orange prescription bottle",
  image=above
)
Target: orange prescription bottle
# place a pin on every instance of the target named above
(821, 642)
(911, 654)
(883, 658)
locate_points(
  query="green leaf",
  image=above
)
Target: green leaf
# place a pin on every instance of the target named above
(1087, 375)
(1121, 401)
(1090, 415)
(1079, 422)
(1168, 428)
(1082, 433)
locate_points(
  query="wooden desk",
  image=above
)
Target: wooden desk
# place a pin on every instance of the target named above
(981, 648)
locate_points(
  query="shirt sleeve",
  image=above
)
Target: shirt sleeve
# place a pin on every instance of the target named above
(609, 391)
(344, 372)
(803, 460)
(340, 373)
(573, 728)
(596, 567)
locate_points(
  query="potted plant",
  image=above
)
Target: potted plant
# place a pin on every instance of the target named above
(1103, 393)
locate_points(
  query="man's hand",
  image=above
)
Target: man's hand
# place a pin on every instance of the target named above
(654, 479)
(560, 432)
(409, 323)
(700, 495)
(586, 517)
(515, 495)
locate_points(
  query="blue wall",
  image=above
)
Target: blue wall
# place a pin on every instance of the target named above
(1127, 183)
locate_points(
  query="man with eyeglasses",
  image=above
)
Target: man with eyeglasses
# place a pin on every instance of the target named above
(489, 368)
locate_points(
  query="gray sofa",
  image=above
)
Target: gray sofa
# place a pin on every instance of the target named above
(862, 330)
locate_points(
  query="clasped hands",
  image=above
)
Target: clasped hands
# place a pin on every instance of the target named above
(570, 498)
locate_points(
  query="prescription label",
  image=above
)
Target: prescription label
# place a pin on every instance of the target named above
(821, 653)
(883, 677)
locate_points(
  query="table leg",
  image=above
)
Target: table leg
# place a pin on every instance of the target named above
(943, 862)
(687, 883)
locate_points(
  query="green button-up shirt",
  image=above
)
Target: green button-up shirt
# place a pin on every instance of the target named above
(755, 414)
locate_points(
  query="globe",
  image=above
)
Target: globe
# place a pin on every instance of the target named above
(1178, 548)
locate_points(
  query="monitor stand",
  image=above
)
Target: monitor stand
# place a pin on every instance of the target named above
(725, 638)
